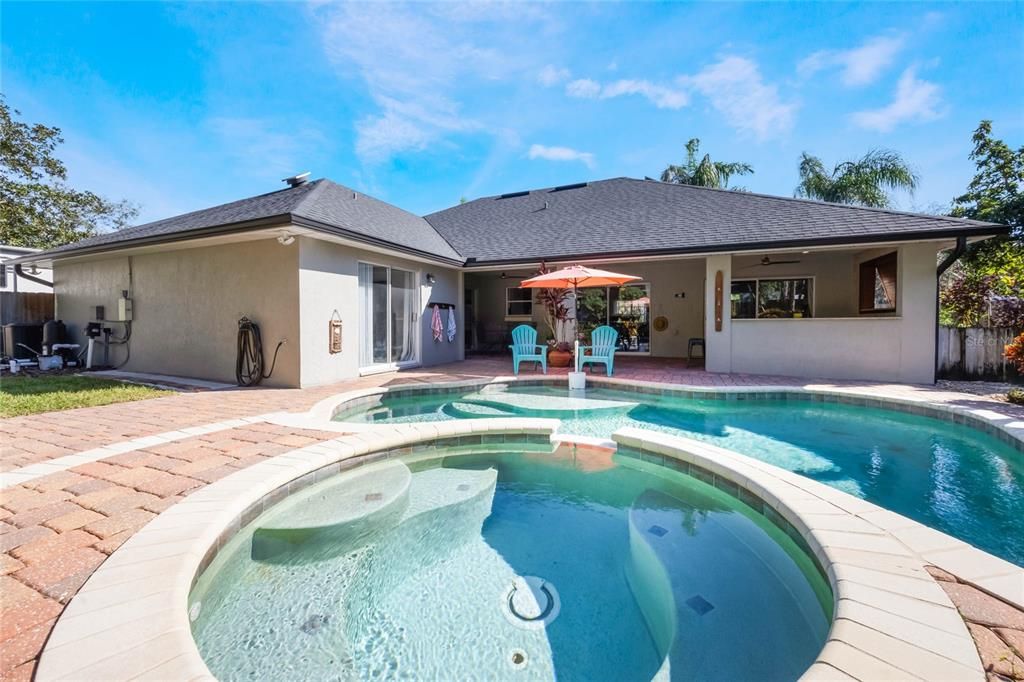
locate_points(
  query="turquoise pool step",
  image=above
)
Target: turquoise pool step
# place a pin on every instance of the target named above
(470, 410)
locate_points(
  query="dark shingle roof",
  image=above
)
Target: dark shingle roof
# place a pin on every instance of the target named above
(320, 204)
(623, 215)
(274, 204)
(338, 206)
(617, 216)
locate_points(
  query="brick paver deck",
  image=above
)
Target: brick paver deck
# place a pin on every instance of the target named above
(57, 529)
(32, 439)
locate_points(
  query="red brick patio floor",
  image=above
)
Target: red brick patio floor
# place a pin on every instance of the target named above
(57, 529)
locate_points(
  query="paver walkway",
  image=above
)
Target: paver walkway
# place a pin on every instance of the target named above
(57, 529)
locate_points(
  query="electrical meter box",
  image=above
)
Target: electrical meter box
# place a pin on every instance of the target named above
(124, 309)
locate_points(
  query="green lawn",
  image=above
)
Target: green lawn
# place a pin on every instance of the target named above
(20, 395)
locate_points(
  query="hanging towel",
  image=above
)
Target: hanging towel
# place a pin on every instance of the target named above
(435, 323)
(451, 325)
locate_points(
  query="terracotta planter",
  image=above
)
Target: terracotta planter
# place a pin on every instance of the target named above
(559, 358)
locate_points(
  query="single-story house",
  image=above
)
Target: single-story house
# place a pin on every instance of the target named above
(774, 285)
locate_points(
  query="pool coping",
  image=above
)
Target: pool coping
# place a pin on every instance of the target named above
(130, 619)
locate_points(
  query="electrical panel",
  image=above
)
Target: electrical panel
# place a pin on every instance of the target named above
(124, 309)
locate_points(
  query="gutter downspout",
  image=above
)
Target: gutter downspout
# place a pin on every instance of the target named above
(20, 273)
(954, 255)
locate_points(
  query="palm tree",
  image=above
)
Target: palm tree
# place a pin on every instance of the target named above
(705, 173)
(864, 181)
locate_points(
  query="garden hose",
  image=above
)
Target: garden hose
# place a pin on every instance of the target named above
(249, 363)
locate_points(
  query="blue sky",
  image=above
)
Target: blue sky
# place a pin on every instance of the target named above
(181, 106)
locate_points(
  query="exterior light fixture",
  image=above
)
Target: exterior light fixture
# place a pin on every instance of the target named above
(285, 238)
(430, 278)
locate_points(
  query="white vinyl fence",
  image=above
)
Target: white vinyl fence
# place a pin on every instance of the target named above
(976, 353)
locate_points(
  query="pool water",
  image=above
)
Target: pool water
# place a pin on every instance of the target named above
(404, 569)
(951, 477)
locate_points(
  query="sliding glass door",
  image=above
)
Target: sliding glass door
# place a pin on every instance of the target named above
(388, 314)
(626, 308)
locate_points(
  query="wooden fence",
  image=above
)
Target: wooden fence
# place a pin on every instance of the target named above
(976, 354)
(34, 308)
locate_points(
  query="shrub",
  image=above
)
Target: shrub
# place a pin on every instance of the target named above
(1014, 352)
(1016, 396)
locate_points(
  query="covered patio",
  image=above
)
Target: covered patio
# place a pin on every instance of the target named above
(839, 312)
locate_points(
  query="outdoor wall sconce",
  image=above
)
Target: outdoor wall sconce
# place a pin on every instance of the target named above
(430, 278)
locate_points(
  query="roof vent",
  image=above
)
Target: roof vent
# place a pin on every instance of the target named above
(296, 180)
(514, 194)
(578, 185)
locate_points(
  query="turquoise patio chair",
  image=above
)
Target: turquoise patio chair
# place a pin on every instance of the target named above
(603, 341)
(525, 347)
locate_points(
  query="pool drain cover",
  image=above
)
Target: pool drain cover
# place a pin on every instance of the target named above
(518, 659)
(530, 602)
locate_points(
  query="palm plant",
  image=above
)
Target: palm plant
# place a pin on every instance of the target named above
(864, 181)
(703, 173)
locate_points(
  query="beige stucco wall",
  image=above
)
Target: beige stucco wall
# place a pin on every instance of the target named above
(839, 343)
(328, 282)
(187, 304)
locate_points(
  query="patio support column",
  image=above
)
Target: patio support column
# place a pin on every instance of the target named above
(718, 344)
(915, 293)
(460, 317)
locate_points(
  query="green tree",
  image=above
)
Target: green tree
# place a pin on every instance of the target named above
(37, 208)
(996, 194)
(865, 181)
(703, 173)
(992, 267)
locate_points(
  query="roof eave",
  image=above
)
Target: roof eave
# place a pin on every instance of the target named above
(985, 230)
(234, 228)
(212, 231)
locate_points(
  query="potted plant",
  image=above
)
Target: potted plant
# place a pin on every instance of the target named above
(560, 355)
(556, 313)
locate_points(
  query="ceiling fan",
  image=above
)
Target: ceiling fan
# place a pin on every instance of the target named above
(768, 261)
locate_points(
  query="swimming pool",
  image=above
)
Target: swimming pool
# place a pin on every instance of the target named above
(949, 476)
(511, 563)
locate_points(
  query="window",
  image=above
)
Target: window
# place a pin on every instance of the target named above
(518, 303)
(771, 298)
(878, 284)
(627, 309)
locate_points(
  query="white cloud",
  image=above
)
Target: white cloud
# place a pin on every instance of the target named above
(584, 87)
(737, 90)
(659, 95)
(259, 143)
(858, 66)
(414, 59)
(916, 101)
(551, 75)
(539, 151)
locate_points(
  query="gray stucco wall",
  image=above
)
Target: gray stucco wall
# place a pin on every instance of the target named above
(328, 282)
(187, 304)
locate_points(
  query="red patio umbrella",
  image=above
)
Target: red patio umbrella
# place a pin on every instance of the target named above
(577, 276)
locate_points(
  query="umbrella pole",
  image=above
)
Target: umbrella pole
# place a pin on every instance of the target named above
(576, 331)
